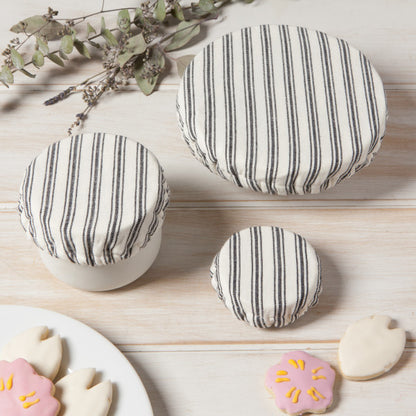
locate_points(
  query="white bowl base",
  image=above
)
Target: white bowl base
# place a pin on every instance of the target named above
(108, 277)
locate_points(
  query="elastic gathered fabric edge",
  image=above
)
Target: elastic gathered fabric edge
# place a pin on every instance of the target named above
(100, 260)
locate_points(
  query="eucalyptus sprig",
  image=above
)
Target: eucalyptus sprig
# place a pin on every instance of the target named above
(137, 48)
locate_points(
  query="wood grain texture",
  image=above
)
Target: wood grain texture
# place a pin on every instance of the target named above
(362, 254)
(374, 26)
(232, 382)
(28, 127)
(194, 357)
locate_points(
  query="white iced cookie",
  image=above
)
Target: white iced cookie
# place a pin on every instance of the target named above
(370, 348)
(78, 398)
(44, 353)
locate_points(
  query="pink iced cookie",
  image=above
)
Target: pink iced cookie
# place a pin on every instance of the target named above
(301, 383)
(23, 392)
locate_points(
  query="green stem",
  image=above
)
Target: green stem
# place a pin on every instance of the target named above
(171, 35)
(83, 18)
(87, 81)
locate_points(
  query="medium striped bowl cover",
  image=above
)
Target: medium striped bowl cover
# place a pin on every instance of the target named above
(283, 110)
(267, 276)
(93, 199)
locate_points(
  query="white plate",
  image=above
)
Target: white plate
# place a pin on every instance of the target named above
(83, 348)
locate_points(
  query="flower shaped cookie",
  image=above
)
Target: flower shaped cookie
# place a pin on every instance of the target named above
(25, 393)
(301, 383)
(77, 392)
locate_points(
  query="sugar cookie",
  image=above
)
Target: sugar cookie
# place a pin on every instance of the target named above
(370, 348)
(80, 398)
(267, 276)
(301, 383)
(44, 353)
(25, 393)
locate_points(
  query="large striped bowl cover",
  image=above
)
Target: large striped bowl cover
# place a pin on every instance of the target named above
(267, 276)
(282, 110)
(93, 199)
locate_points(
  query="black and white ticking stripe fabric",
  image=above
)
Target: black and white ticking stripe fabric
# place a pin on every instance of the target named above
(267, 276)
(282, 110)
(93, 199)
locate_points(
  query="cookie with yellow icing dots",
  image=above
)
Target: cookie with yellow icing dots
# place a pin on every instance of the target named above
(25, 393)
(369, 348)
(301, 383)
(42, 351)
(79, 397)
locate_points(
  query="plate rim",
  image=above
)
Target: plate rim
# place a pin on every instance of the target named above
(61, 316)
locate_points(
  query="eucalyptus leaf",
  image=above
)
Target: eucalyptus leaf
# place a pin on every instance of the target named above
(207, 5)
(67, 44)
(90, 29)
(138, 13)
(43, 46)
(160, 10)
(38, 59)
(182, 62)
(94, 44)
(136, 45)
(109, 37)
(123, 58)
(17, 59)
(123, 20)
(184, 33)
(158, 58)
(56, 59)
(178, 12)
(139, 20)
(27, 73)
(138, 16)
(39, 24)
(62, 55)
(147, 85)
(82, 48)
(6, 75)
(73, 33)
(204, 9)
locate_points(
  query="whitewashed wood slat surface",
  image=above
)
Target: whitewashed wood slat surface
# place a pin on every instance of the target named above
(390, 180)
(232, 382)
(362, 254)
(192, 355)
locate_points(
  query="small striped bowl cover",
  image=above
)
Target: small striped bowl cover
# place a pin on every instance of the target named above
(283, 110)
(93, 199)
(267, 276)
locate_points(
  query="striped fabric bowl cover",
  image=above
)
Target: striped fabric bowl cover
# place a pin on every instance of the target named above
(283, 110)
(93, 199)
(267, 276)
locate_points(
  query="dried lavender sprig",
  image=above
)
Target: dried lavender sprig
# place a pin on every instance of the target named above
(60, 97)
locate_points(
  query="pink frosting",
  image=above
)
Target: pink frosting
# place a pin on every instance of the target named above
(23, 392)
(301, 383)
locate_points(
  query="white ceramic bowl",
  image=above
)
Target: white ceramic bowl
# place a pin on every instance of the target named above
(94, 204)
(106, 277)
